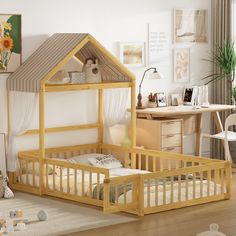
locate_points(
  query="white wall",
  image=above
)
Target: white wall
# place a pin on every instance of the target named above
(109, 21)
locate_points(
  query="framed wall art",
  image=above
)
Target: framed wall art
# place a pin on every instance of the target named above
(10, 43)
(181, 65)
(190, 25)
(132, 54)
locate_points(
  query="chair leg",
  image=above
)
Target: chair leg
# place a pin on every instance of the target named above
(227, 152)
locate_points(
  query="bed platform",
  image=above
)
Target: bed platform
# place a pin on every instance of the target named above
(149, 181)
(180, 181)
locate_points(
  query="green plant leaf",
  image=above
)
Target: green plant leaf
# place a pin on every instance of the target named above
(15, 32)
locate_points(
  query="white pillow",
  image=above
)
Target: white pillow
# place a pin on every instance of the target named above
(105, 161)
(36, 168)
(84, 158)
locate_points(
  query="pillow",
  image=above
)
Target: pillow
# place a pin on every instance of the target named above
(36, 168)
(105, 161)
(84, 158)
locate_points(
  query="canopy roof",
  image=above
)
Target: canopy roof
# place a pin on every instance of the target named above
(55, 52)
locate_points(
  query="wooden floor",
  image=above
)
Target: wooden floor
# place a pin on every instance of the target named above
(182, 222)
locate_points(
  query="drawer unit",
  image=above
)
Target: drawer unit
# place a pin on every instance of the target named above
(171, 127)
(161, 134)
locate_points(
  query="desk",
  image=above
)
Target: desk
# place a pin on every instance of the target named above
(183, 112)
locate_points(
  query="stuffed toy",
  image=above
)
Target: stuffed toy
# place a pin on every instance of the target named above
(5, 191)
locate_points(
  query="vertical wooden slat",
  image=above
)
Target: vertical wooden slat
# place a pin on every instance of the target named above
(164, 190)
(194, 185)
(20, 171)
(222, 181)
(90, 183)
(33, 173)
(82, 182)
(171, 189)
(186, 186)
(156, 188)
(117, 191)
(98, 185)
(208, 182)
(68, 180)
(148, 192)
(215, 180)
(125, 193)
(179, 188)
(201, 184)
(53, 177)
(41, 136)
(27, 171)
(46, 175)
(61, 187)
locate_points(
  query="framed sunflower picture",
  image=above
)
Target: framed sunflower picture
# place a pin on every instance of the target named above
(10, 43)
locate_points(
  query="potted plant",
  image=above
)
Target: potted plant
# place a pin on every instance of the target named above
(152, 100)
(224, 57)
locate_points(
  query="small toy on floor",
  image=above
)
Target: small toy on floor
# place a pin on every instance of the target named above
(16, 214)
(212, 232)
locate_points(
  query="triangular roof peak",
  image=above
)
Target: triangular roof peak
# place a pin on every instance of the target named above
(55, 52)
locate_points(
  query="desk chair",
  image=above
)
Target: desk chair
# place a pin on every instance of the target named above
(226, 136)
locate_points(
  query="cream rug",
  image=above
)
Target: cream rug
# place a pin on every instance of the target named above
(63, 217)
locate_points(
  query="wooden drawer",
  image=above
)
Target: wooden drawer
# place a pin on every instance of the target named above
(172, 149)
(171, 127)
(171, 140)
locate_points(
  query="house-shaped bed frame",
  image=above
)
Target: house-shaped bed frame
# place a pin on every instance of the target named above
(166, 168)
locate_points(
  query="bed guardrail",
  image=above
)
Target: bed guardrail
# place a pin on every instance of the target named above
(160, 191)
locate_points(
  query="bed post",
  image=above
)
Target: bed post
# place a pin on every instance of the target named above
(11, 175)
(41, 136)
(100, 118)
(133, 122)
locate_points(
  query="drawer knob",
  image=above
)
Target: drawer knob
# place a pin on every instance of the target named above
(170, 135)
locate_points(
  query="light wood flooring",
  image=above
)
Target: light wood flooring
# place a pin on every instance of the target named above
(182, 222)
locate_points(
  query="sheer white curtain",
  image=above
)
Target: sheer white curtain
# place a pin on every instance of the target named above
(115, 109)
(22, 109)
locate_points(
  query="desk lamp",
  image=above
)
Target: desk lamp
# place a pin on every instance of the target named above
(155, 75)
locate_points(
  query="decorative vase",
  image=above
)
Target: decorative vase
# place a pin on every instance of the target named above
(152, 104)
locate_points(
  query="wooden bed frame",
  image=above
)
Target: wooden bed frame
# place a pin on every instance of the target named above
(164, 166)
(171, 166)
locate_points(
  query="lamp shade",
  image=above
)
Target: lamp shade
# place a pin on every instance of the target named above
(156, 75)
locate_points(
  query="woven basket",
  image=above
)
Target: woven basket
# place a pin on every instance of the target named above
(1, 188)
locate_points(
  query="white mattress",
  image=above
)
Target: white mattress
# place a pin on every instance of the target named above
(123, 172)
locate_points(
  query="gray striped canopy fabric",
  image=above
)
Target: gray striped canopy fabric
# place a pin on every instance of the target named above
(28, 76)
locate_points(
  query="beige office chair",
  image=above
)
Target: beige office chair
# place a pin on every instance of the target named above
(226, 136)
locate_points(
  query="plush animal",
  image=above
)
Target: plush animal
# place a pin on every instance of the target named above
(7, 191)
(92, 71)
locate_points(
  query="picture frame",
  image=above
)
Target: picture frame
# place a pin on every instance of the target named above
(190, 25)
(189, 96)
(181, 63)
(176, 99)
(161, 99)
(10, 42)
(132, 54)
(3, 163)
